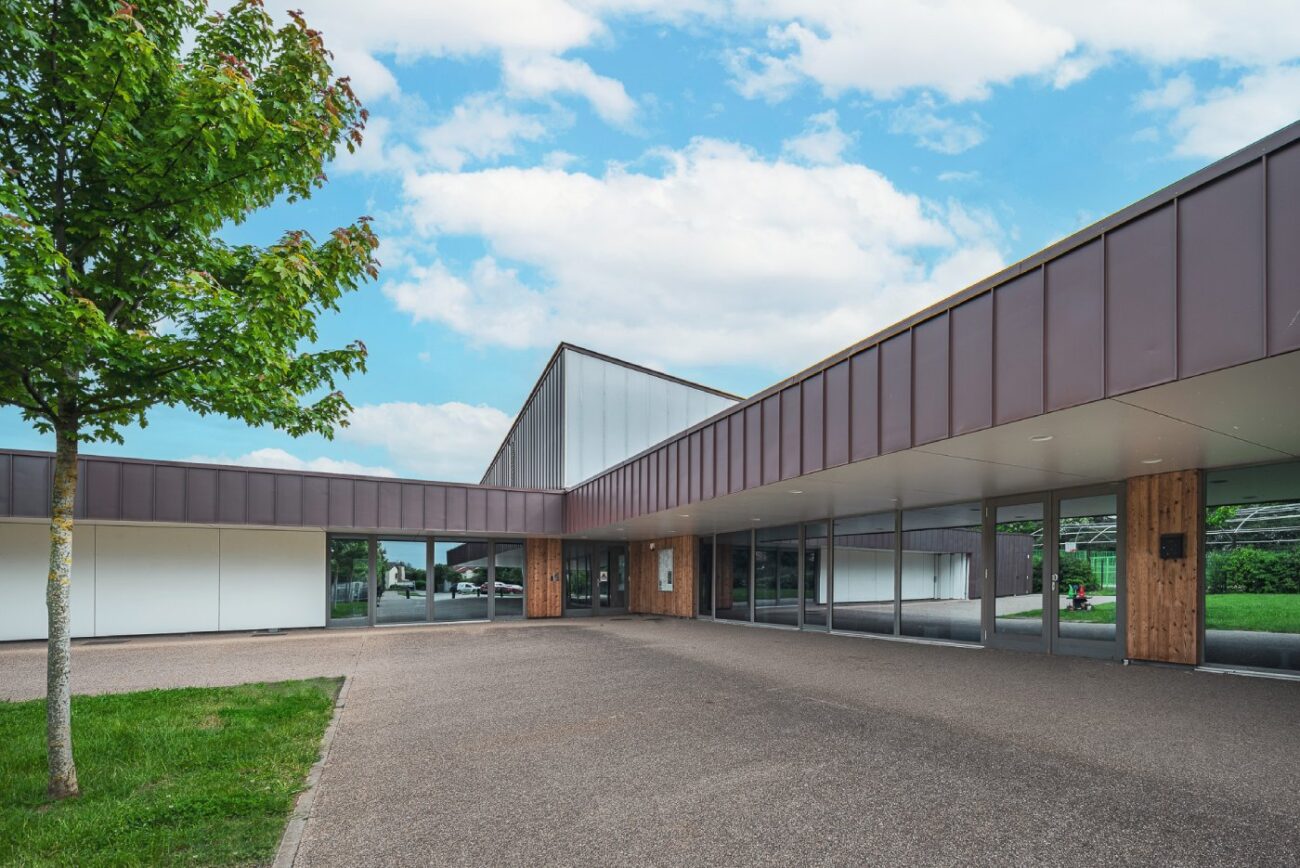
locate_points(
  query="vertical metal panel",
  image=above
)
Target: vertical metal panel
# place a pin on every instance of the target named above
(1283, 250)
(534, 512)
(738, 448)
(365, 504)
(1076, 327)
(1221, 273)
(896, 393)
(412, 506)
(435, 507)
(930, 398)
(771, 438)
(971, 388)
(288, 500)
(837, 414)
(554, 515)
(1018, 348)
(79, 497)
(341, 500)
(389, 501)
(31, 486)
(137, 492)
(661, 479)
(456, 508)
(232, 506)
(652, 483)
(673, 475)
(708, 462)
(475, 509)
(516, 512)
(791, 421)
(200, 495)
(696, 448)
(864, 404)
(812, 458)
(6, 484)
(496, 510)
(315, 501)
(1140, 313)
(103, 489)
(169, 494)
(752, 430)
(261, 499)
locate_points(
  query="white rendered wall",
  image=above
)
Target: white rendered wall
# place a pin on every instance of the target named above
(24, 566)
(867, 575)
(612, 412)
(272, 578)
(131, 580)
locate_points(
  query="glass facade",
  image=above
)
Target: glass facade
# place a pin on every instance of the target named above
(816, 575)
(349, 582)
(731, 600)
(1018, 568)
(1252, 567)
(776, 576)
(461, 569)
(401, 582)
(705, 581)
(942, 567)
(1087, 568)
(508, 601)
(862, 566)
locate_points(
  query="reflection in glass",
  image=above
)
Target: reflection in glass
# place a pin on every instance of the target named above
(776, 576)
(942, 563)
(1018, 569)
(509, 602)
(1087, 568)
(732, 598)
(349, 566)
(400, 582)
(705, 581)
(1252, 567)
(816, 576)
(864, 574)
(577, 578)
(460, 580)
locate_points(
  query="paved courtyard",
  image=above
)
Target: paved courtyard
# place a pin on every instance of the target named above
(654, 741)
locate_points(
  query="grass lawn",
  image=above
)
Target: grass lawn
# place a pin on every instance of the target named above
(198, 776)
(1270, 613)
(349, 610)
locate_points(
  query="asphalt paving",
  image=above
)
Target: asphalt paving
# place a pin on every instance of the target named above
(664, 742)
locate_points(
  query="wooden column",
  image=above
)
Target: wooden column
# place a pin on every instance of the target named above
(544, 577)
(1164, 596)
(644, 595)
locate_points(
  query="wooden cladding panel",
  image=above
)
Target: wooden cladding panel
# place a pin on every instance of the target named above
(544, 565)
(643, 577)
(1164, 597)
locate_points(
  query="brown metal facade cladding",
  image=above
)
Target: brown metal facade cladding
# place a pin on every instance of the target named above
(118, 489)
(1201, 276)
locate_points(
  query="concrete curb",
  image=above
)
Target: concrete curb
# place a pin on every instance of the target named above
(287, 852)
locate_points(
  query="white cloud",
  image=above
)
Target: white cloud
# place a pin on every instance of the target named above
(954, 176)
(537, 76)
(723, 257)
(480, 129)
(932, 131)
(1229, 118)
(822, 142)
(282, 460)
(452, 442)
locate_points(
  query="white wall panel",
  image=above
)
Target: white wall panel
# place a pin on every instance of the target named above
(156, 579)
(24, 567)
(272, 578)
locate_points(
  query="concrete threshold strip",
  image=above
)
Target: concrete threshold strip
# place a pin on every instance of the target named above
(287, 852)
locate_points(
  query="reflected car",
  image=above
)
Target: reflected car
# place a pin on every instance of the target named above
(467, 588)
(502, 589)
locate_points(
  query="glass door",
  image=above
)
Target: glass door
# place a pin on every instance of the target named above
(1055, 572)
(1086, 610)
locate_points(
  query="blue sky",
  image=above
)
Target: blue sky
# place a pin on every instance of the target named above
(725, 189)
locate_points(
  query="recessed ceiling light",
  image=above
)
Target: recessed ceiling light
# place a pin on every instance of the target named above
(756, 519)
(683, 515)
(796, 491)
(1152, 460)
(1041, 438)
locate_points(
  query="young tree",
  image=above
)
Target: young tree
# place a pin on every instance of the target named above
(129, 137)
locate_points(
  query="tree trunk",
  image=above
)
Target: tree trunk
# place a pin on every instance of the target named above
(58, 690)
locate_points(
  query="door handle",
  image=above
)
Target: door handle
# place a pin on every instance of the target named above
(1056, 582)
